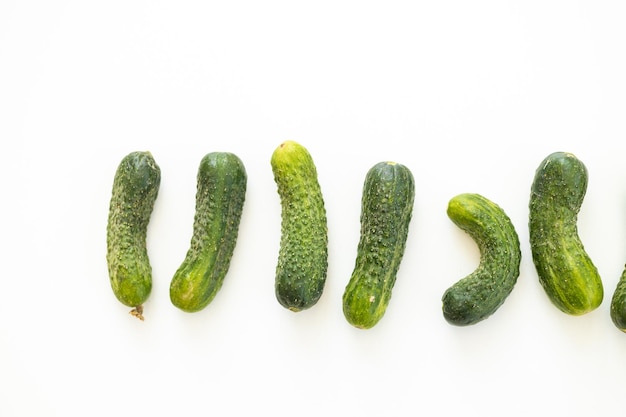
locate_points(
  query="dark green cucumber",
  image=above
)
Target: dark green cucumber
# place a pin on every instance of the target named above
(478, 295)
(566, 272)
(135, 189)
(618, 304)
(303, 256)
(220, 195)
(386, 210)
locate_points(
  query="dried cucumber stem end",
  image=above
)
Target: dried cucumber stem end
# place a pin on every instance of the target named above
(137, 312)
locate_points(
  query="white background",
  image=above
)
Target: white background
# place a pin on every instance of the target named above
(470, 95)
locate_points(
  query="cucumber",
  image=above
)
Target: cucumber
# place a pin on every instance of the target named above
(566, 272)
(478, 295)
(386, 210)
(303, 255)
(135, 189)
(618, 304)
(220, 195)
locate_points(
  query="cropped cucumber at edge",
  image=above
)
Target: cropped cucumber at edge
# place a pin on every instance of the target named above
(478, 295)
(220, 196)
(618, 303)
(135, 189)
(617, 309)
(303, 255)
(386, 211)
(566, 272)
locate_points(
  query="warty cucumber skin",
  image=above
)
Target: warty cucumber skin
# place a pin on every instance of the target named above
(618, 303)
(135, 189)
(386, 211)
(303, 255)
(565, 270)
(478, 295)
(617, 309)
(220, 196)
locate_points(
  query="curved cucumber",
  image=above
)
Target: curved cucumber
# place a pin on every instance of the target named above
(135, 188)
(220, 197)
(303, 256)
(566, 272)
(480, 294)
(386, 210)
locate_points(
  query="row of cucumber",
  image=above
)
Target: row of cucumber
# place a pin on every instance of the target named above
(565, 270)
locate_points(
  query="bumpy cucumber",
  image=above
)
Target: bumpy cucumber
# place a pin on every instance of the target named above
(220, 195)
(386, 210)
(566, 272)
(618, 304)
(135, 189)
(478, 295)
(303, 256)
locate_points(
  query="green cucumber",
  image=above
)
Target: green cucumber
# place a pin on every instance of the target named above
(478, 295)
(303, 255)
(135, 189)
(220, 195)
(386, 210)
(618, 304)
(566, 272)
(617, 310)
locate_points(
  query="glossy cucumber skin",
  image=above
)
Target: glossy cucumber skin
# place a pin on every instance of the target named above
(565, 270)
(478, 295)
(220, 196)
(303, 255)
(135, 189)
(386, 210)
(618, 304)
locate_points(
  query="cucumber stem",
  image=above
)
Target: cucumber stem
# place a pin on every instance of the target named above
(137, 312)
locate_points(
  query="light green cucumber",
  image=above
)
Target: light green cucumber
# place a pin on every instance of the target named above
(303, 255)
(135, 189)
(220, 195)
